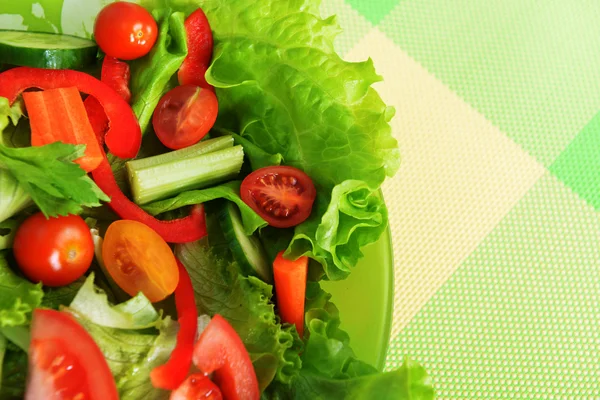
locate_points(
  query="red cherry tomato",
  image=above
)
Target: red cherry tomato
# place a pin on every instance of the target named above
(55, 251)
(125, 30)
(197, 386)
(219, 349)
(65, 362)
(282, 196)
(184, 115)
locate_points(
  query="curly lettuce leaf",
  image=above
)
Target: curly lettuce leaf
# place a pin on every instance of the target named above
(245, 303)
(284, 89)
(18, 296)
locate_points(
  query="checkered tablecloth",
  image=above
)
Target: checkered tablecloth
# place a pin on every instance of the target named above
(494, 213)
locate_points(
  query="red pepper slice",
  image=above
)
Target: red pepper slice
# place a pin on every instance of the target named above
(171, 375)
(123, 137)
(200, 47)
(183, 230)
(220, 350)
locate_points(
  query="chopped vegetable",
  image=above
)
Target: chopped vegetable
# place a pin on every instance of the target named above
(157, 181)
(200, 48)
(123, 137)
(184, 115)
(172, 374)
(55, 251)
(220, 350)
(290, 289)
(58, 115)
(283, 196)
(125, 30)
(188, 229)
(64, 359)
(139, 260)
(197, 386)
(18, 297)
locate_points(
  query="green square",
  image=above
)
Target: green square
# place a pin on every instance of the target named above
(532, 70)
(373, 10)
(579, 165)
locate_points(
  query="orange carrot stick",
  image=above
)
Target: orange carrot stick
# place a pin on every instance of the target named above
(290, 288)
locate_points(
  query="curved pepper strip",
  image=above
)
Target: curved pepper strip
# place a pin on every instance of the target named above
(123, 137)
(172, 374)
(183, 230)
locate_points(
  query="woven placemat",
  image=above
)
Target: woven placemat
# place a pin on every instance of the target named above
(494, 213)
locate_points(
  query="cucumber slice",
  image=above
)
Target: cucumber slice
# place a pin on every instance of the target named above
(46, 50)
(247, 250)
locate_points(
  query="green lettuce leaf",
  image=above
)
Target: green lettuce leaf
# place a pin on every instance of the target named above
(230, 191)
(245, 303)
(18, 296)
(55, 297)
(14, 373)
(284, 89)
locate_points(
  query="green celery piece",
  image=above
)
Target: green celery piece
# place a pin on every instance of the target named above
(18, 296)
(19, 335)
(164, 180)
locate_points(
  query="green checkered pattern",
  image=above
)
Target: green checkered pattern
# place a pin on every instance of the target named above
(518, 316)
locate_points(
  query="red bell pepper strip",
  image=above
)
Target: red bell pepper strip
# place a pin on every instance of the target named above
(124, 136)
(290, 289)
(220, 350)
(200, 47)
(171, 375)
(183, 230)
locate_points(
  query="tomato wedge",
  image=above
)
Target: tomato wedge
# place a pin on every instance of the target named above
(283, 196)
(197, 386)
(65, 362)
(220, 350)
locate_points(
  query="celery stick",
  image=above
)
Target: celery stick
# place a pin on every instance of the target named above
(160, 181)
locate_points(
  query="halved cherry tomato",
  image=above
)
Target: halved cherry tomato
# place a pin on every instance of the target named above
(220, 350)
(54, 251)
(65, 362)
(125, 30)
(184, 115)
(196, 387)
(139, 260)
(283, 196)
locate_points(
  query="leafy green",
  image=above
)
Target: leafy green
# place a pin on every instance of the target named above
(14, 373)
(230, 191)
(283, 88)
(245, 303)
(19, 335)
(18, 296)
(55, 297)
(151, 75)
(135, 313)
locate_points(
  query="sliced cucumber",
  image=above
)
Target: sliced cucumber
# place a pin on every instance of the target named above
(247, 250)
(46, 50)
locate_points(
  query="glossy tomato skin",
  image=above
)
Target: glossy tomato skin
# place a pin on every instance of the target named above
(197, 386)
(125, 30)
(65, 362)
(139, 260)
(283, 196)
(184, 115)
(220, 350)
(55, 251)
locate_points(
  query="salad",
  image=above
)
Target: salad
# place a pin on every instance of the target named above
(172, 193)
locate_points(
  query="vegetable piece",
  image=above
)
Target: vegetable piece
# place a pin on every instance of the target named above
(197, 386)
(65, 362)
(125, 30)
(290, 289)
(220, 350)
(58, 115)
(193, 172)
(246, 249)
(184, 115)
(18, 296)
(172, 374)
(55, 251)
(46, 50)
(123, 137)
(200, 48)
(183, 230)
(139, 260)
(282, 195)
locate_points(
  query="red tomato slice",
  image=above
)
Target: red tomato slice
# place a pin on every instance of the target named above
(197, 386)
(65, 362)
(184, 115)
(282, 196)
(220, 350)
